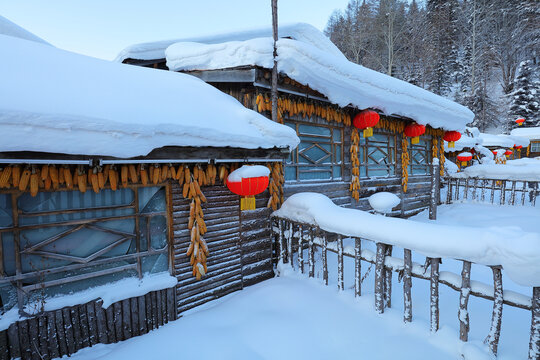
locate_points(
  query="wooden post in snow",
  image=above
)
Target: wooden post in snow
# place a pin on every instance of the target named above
(274, 68)
(379, 278)
(463, 314)
(434, 193)
(434, 294)
(407, 285)
(534, 344)
(496, 316)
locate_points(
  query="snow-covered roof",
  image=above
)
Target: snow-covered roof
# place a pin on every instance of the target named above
(341, 81)
(299, 31)
(501, 140)
(11, 29)
(53, 100)
(469, 139)
(531, 133)
(525, 169)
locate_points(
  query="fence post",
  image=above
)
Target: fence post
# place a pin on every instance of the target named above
(407, 284)
(496, 315)
(434, 194)
(379, 278)
(434, 294)
(463, 314)
(534, 344)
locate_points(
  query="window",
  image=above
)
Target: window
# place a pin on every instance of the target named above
(66, 241)
(419, 157)
(377, 155)
(535, 147)
(319, 155)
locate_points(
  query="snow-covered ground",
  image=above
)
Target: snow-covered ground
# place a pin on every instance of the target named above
(294, 317)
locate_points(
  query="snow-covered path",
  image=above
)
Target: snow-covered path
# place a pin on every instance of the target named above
(288, 317)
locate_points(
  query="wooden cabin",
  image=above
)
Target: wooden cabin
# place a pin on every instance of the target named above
(533, 135)
(320, 93)
(102, 195)
(519, 145)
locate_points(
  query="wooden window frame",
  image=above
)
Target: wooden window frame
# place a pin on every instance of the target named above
(80, 263)
(537, 143)
(386, 150)
(293, 160)
(414, 165)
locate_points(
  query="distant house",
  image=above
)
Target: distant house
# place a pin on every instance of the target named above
(320, 93)
(109, 174)
(517, 144)
(533, 134)
(470, 141)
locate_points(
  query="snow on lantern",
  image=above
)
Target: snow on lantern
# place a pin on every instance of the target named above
(508, 152)
(520, 121)
(366, 120)
(414, 131)
(464, 157)
(452, 137)
(248, 181)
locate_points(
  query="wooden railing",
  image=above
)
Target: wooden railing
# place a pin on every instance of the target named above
(494, 191)
(295, 241)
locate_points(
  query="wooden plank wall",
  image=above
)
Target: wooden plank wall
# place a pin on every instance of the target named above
(240, 251)
(65, 331)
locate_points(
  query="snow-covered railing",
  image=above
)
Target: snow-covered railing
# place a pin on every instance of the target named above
(310, 222)
(495, 191)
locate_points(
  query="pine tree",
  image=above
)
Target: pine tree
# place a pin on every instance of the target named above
(524, 100)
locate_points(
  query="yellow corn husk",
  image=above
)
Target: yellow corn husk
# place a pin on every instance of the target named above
(185, 190)
(23, 180)
(53, 174)
(113, 179)
(144, 175)
(163, 172)
(82, 182)
(15, 175)
(68, 178)
(172, 173)
(187, 175)
(180, 173)
(197, 187)
(94, 180)
(101, 179)
(190, 222)
(156, 174)
(44, 172)
(202, 197)
(192, 192)
(34, 184)
(48, 183)
(133, 176)
(61, 175)
(190, 249)
(150, 170)
(124, 176)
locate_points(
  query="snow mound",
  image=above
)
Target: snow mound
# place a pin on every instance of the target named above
(11, 29)
(248, 171)
(531, 133)
(341, 81)
(516, 250)
(299, 31)
(56, 101)
(507, 141)
(383, 202)
(521, 169)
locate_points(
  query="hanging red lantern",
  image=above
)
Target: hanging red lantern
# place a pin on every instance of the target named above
(248, 181)
(452, 137)
(464, 157)
(508, 152)
(366, 120)
(414, 131)
(520, 121)
(517, 147)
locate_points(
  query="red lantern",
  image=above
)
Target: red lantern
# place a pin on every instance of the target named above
(464, 157)
(366, 120)
(452, 137)
(248, 182)
(508, 152)
(520, 121)
(414, 131)
(517, 147)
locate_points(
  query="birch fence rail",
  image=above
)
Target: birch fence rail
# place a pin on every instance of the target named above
(295, 238)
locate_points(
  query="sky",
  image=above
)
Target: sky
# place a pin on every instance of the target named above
(101, 28)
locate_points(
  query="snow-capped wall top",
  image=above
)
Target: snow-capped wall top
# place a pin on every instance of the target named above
(300, 31)
(531, 133)
(341, 81)
(53, 100)
(501, 140)
(9, 28)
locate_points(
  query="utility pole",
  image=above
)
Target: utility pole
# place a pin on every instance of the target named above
(274, 69)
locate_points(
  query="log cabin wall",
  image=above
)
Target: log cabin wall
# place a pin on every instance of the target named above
(414, 200)
(238, 241)
(56, 333)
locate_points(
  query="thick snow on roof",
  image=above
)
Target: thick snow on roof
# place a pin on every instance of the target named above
(57, 101)
(11, 29)
(300, 31)
(340, 80)
(531, 133)
(501, 140)
(525, 169)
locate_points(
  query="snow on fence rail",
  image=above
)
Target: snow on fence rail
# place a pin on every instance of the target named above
(296, 232)
(501, 191)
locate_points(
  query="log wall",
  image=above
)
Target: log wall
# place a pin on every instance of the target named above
(64, 331)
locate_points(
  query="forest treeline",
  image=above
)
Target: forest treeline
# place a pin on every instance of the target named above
(484, 54)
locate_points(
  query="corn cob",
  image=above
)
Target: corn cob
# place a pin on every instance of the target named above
(113, 178)
(34, 183)
(124, 176)
(23, 180)
(68, 178)
(144, 175)
(133, 176)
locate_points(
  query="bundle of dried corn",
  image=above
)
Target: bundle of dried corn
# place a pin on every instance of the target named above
(355, 163)
(441, 157)
(275, 186)
(404, 164)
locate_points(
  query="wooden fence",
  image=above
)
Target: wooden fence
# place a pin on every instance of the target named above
(294, 238)
(56, 333)
(494, 191)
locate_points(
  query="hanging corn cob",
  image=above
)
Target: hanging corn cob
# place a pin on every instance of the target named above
(404, 164)
(355, 163)
(441, 157)
(275, 186)
(197, 250)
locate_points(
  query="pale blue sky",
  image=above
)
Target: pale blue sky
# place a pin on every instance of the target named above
(101, 28)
